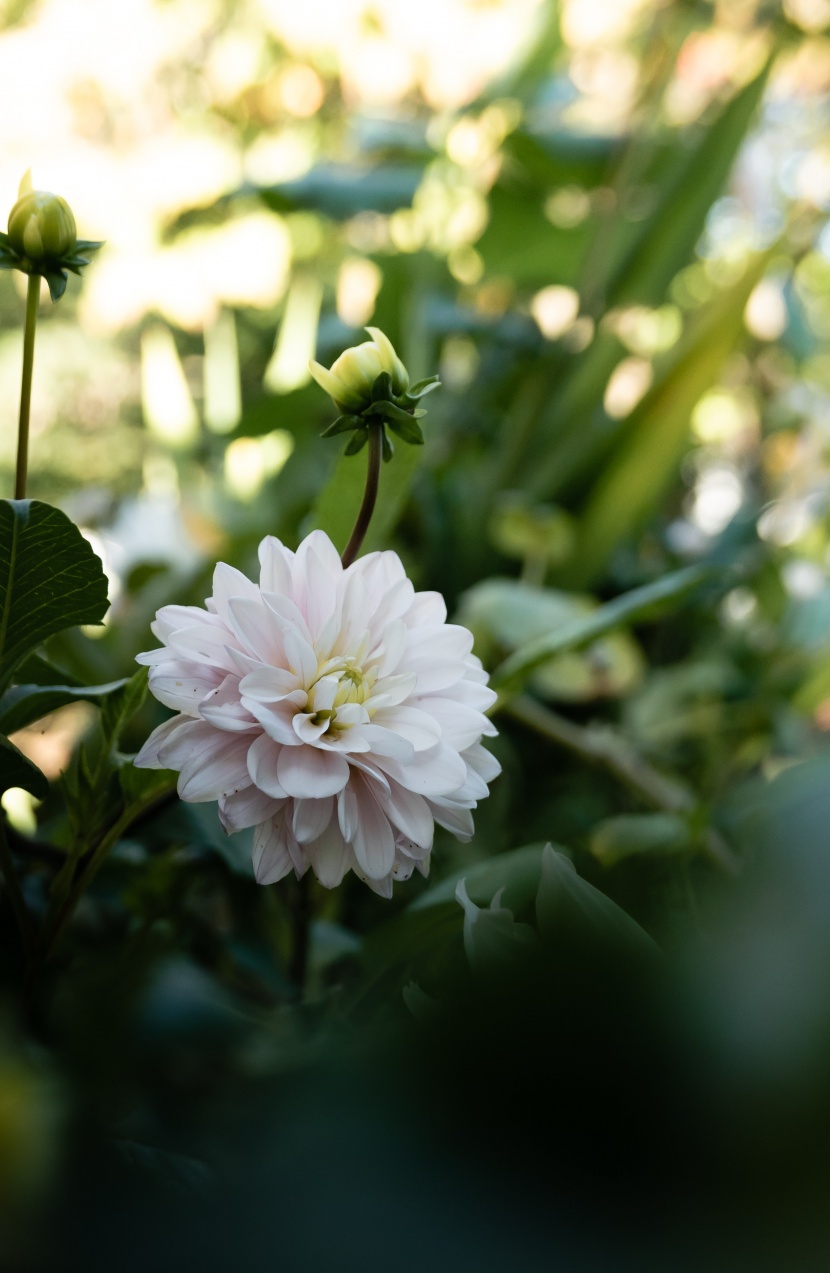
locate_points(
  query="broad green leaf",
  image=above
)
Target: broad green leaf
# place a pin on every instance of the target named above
(635, 606)
(50, 579)
(632, 834)
(567, 904)
(16, 770)
(22, 704)
(655, 435)
(338, 503)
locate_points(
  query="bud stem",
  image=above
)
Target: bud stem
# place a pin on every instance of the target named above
(32, 300)
(370, 494)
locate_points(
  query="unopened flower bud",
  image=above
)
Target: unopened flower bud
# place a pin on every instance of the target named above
(351, 378)
(41, 226)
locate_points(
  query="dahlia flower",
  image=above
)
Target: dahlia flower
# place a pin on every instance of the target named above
(335, 710)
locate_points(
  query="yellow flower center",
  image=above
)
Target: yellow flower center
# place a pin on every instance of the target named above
(352, 684)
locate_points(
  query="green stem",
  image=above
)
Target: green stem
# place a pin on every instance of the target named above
(95, 860)
(21, 911)
(370, 494)
(32, 299)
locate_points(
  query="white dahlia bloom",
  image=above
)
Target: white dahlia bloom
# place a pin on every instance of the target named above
(336, 711)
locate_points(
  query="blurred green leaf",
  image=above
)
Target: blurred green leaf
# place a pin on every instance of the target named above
(22, 704)
(50, 579)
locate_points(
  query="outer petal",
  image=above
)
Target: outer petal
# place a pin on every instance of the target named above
(311, 773)
(374, 841)
(311, 817)
(330, 857)
(271, 858)
(182, 684)
(262, 759)
(148, 757)
(246, 808)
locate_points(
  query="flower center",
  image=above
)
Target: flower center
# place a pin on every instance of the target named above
(340, 682)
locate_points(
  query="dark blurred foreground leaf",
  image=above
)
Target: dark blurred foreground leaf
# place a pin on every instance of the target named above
(50, 579)
(16, 770)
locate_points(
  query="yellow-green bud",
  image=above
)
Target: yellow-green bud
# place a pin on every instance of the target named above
(41, 226)
(351, 378)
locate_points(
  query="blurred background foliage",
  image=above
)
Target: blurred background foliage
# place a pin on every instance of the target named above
(604, 223)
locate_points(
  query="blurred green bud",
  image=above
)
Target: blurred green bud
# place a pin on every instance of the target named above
(41, 225)
(43, 238)
(351, 379)
(370, 383)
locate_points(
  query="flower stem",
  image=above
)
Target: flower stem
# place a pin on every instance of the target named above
(301, 931)
(21, 911)
(370, 494)
(32, 299)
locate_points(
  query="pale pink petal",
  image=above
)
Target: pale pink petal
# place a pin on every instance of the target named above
(305, 728)
(229, 582)
(458, 821)
(426, 607)
(246, 808)
(392, 690)
(215, 766)
(311, 817)
(269, 684)
(409, 813)
(388, 654)
(254, 625)
(183, 684)
(209, 645)
(262, 766)
(223, 709)
(271, 858)
(383, 742)
(459, 726)
(300, 656)
(347, 812)
(374, 841)
(148, 757)
(311, 772)
(287, 614)
(277, 718)
(420, 728)
(275, 566)
(330, 857)
(436, 772)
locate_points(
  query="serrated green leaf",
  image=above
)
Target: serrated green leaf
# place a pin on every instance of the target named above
(50, 579)
(22, 704)
(120, 706)
(16, 770)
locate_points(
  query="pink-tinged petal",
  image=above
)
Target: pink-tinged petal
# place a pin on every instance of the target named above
(287, 614)
(392, 690)
(427, 607)
(170, 619)
(354, 610)
(277, 718)
(246, 808)
(175, 749)
(458, 821)
(311, 773)
(325, 692)
(305, 728)
(254, 626)
(347, 812)
(262, 759)
(483, 762)
(311, 817)
(223, 709)
(182, 685)
(148, 757)
(229, 582)
(214, 767)
(394, 606)
(374, 841)
(300, 656)
(420, 728)
(275, 566)
(460, 726)
(382, 887)
(330, 857)
(347, 742)
(383, 742)
(209, 645)
(390, 651)
(352, 714)
(244, 664)
(271, 858)
(437, 772)
(469, 693)
(269, 684)
(149, 658)
(409, 813)
(449, 642)
(316, 572)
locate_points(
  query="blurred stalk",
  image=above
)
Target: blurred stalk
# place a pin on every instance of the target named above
(370, 495)
(32, 299)
(21, 911)
(600, 745)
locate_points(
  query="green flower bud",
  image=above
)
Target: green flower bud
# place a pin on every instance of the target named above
(351, 378)
(43, 238)
(41, 226)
